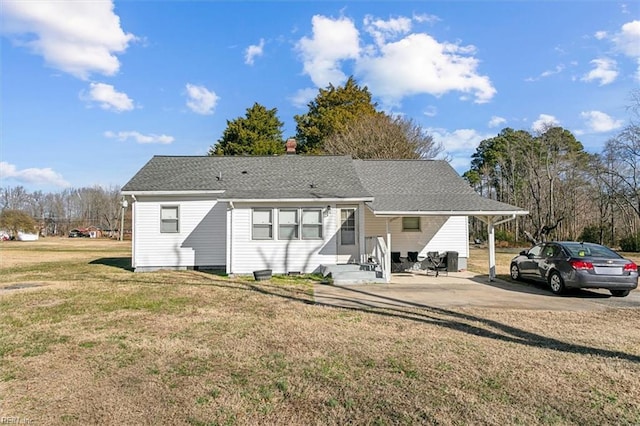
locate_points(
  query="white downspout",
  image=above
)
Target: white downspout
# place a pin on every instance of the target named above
(229, 268)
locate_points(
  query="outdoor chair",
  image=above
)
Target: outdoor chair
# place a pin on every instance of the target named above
(436, 263)
(412, 260)
(396, 262)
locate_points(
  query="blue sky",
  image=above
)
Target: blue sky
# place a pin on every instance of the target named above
(90, 91)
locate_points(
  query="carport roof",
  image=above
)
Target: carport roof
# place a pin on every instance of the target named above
(404, 187)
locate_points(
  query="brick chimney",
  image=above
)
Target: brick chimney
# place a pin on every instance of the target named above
(291, 146)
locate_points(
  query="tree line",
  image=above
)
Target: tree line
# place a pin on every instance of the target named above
(52, 214)
(571, 194)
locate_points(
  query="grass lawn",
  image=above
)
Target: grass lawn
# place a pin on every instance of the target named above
(83, 340)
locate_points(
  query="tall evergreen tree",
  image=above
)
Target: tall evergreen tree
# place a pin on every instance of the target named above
(331, 112)
(259, 132)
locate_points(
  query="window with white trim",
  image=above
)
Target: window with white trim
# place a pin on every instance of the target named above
(169, 222)
(411, 224)
(288, 224)
(262, 224)
(311, 224)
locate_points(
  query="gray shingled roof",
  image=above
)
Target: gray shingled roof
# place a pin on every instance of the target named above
(422, 186)
(395, 185)
(255, 177)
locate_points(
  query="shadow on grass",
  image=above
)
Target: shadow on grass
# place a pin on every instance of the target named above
(465, 323)
(462, 322)
(115, 262)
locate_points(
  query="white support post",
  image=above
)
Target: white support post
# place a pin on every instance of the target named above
(492, 248)
(387, 256)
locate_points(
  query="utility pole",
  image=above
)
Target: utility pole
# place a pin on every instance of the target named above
(124, 205)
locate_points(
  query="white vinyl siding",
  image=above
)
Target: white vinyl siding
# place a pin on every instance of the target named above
(200, 240)
(283, 255)
(438, 233)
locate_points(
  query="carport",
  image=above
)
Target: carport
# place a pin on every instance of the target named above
(491, 218)
(417, 191)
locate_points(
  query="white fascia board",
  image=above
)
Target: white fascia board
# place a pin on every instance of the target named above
(294, 200)
(452, 213)
(206, 192)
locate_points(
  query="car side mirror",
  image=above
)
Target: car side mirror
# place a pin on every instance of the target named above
(523, 253)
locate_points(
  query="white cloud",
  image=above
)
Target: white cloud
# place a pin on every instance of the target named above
(605, 71)
(108, 97)
(599, 122)
(430, 19)
(303, 96)
(34, 176)
(420, 64)
(544, 122)
(76, 37)
(139, 137)
(382, 30)
(496, 121)
(396, 63)
(459, 145)
(600, 35)
(548, 73)
(253, 51)
(333, 41)
(431, 111)
(628, 39)
(201, 100)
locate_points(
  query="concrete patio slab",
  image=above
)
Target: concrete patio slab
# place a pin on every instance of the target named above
(466, 289)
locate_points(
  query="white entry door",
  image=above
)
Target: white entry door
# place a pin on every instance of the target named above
(348, 248)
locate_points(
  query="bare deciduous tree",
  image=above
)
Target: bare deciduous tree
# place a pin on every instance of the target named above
(383, 137)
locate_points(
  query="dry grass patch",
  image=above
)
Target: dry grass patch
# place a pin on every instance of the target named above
(194, 348)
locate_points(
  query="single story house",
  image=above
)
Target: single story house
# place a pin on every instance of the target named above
(294, 213)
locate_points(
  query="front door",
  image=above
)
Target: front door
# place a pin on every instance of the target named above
(348, 247)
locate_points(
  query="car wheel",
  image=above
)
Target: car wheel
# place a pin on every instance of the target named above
(556, 283)
(619, 293)
(515, 272)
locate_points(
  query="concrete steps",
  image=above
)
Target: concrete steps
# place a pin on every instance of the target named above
(352, 274)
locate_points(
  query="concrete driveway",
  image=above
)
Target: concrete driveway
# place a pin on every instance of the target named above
(466, 289)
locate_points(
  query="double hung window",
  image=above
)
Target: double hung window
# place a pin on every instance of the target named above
(169, 221)
(262, 224)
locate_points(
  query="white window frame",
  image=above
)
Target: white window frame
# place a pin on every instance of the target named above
(318, 225)
(268, 225)
(406, 228)
(164, 221)
(287, 226)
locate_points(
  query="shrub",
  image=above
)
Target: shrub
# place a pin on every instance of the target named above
(591, 234)
(507, 236)
(630, 243)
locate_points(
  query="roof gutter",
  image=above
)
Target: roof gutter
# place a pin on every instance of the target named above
(451, 213)
(203, 192)
(294, 200)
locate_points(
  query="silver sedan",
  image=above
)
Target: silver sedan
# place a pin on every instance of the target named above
(570, 264)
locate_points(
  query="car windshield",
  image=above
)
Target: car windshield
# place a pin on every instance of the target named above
(590, 250)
